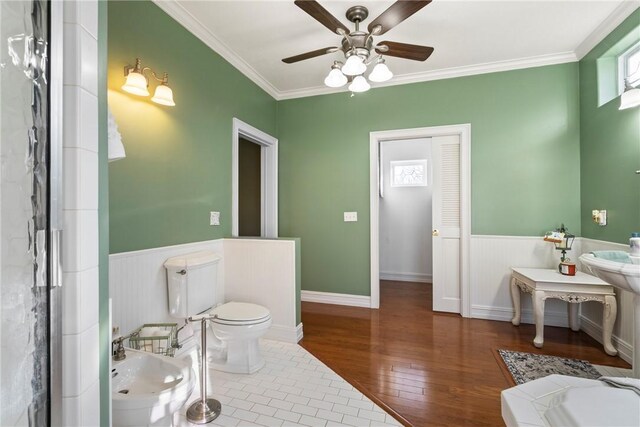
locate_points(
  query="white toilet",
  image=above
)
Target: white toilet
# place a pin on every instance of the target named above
(232, 339)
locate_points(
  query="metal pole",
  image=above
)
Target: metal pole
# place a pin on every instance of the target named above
(205, 410)
(203, 362)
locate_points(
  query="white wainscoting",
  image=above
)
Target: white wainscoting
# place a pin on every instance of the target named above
(338, 299)
(491, 260)
(252, 270)
(138, 283)
(263, 271)
(591, 314)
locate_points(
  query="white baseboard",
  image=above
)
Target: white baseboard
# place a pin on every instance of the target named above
(405, 277)
(284, 333)
(299, 332)
(338, 299)
(551, 318)
(625, 350)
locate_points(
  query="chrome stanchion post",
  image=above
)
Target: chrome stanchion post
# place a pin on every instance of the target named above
(204, 410)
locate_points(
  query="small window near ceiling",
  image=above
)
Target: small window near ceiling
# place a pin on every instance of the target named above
(629, 67)
(409, 173)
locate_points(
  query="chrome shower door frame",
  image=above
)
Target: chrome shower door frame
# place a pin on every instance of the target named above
(56, 219)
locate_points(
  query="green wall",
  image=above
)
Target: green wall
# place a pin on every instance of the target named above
(609, 149)
(178, 164)
(525, 158)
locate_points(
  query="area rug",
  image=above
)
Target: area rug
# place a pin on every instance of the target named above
(525, 367)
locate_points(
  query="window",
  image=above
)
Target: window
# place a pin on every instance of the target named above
(409, 173)
(629, 67)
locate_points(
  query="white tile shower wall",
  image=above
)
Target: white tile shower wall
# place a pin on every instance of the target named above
(138, 283)
(592, 312)
(263, 271)
(491, 260)
(81, 385)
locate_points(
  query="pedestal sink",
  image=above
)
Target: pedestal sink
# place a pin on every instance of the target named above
(625, 277)
(147, 389)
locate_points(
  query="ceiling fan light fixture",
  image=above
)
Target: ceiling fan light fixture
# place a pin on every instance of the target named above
(359, 84)
(380, 73)
(358, 46)
(354, 66)
(335, 78)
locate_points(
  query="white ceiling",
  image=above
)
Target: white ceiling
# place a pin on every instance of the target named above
(469, 36)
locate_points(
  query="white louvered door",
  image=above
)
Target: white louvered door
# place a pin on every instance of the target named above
(446, 223)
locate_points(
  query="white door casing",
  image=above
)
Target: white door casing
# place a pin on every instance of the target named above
(446, 223)
(463, 132)
(269, 178)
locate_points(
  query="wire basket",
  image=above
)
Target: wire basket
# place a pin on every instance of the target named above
(158, 338)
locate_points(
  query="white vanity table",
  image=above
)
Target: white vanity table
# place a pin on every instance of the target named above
(549, 283)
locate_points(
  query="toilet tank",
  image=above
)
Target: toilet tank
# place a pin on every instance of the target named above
(191, 283)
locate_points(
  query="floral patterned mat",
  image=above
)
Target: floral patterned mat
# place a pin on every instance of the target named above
(526, 367)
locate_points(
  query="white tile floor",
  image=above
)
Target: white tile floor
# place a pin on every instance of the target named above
(294, 388)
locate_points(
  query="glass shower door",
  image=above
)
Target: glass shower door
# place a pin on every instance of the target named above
(28, 273)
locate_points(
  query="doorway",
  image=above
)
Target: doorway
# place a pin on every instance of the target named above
(249, 188)
(254, 182)
(450, 149)
(405, 210)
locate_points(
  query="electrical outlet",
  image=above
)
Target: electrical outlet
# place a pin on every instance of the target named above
(214, 218)
(115, 331)
(350, 216)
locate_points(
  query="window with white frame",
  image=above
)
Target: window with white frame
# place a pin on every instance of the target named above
(409, 173)
(629, 67)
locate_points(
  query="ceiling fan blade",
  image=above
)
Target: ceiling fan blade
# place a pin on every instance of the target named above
(397, 12)
(308, 55)
(321, 15)
(404, 50)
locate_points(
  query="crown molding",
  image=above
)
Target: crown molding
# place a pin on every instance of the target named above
(175, 10)
(446, 73)
(615, 18)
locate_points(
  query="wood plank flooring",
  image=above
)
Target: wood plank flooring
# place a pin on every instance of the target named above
(429, 369)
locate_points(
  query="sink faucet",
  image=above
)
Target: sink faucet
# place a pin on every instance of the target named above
(118, 353)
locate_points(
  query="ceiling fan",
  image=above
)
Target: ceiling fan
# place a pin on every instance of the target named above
(358, 46)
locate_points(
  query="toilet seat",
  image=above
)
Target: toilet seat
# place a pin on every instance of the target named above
(240, 314)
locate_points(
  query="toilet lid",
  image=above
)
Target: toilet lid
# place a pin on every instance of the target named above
(240, 312)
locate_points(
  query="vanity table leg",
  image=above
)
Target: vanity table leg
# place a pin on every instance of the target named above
(515, 298)
(609, 312)
(538, 314)
(574, 318)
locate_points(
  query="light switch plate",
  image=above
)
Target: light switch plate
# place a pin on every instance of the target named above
(350, 216)
(214, 218)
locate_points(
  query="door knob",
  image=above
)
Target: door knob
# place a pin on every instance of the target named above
(435, 232)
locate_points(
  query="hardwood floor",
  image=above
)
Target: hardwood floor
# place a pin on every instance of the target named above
(429, 369)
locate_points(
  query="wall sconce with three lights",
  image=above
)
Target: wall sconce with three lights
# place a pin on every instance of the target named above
(137, 84)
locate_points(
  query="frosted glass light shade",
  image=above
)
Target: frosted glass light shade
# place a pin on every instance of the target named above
(163, 95)
(354, 66)
(380, 73)
(359, 84)
(335, 78)
(629, 99)
(136, 84)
